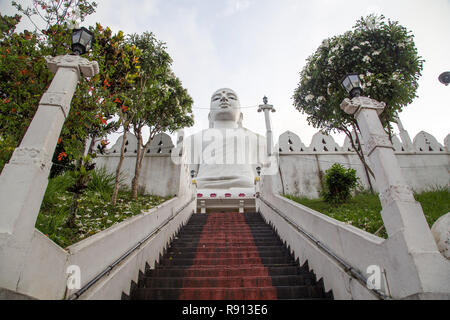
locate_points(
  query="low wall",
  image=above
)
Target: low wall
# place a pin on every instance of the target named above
(342, 254)
(45, 276)
(360, 249)
(160, 176)
(301, 172)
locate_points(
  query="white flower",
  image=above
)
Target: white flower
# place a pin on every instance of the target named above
(369, 84)
(325, 43)
(108, 221)
(309, 97)
(375, 53)
(116, 216)
(355, 48)
(320, 99)
(365, 43)
(105, 213)
(368, 73)
(401, 45)
(367, 59)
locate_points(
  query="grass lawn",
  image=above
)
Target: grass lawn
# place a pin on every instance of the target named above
(363, 210)
(95, 213)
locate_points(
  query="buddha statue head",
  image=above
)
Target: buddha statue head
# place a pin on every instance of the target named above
(225, 107)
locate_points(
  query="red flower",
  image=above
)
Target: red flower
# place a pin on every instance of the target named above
(62, 155)
(106, 83)
(124, 108)
(13, 110)
(23, 72)
(102, 120)
(59, 140)
(117, 100)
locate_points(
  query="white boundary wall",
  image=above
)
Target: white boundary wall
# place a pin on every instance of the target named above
(45, 274)
(357, 248)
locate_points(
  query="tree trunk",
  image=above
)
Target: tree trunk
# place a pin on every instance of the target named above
(359, 151)
(119, 166)
(137, 167)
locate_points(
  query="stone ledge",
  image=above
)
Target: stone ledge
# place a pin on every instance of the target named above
(6, 294)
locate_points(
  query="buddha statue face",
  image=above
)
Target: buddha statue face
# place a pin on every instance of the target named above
(225, 106)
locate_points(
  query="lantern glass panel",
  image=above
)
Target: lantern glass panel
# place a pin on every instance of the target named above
(85, 39)
(347, 84)
(356, 82)
(76, 36)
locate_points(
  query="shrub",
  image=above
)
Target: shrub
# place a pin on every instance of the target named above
(339, 182)
(103, 183)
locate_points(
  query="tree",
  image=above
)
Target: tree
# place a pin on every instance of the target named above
(93, 103)
(158, 101)
(385, 57)
(23, 78)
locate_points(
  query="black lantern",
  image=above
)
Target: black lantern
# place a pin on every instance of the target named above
(192, 174)
(352, 84)
(258, 170)
(82, 40)
(445, 78)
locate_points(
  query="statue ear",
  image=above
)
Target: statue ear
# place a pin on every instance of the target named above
(211, 123)
(241, 116)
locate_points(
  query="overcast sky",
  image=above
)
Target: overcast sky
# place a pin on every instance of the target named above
(258, 47)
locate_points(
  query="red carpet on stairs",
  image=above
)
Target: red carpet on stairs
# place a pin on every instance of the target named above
(228, 256)
(226, 246)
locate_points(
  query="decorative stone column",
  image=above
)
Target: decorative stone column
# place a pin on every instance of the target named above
(24, 179)
(406, 140)
(420, 271)
(267, 108)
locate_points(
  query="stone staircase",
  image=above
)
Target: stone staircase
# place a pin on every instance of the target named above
(227, 256)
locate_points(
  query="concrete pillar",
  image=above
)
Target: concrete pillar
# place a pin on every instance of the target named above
(24, 179)
(420, 270)
(404, 136)
(268, 108)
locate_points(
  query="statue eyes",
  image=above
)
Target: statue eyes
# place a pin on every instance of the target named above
(228, 97)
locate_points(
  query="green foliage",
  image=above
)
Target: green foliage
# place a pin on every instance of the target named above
(23, 79)
(55, 188)
(102, 182)
(382, 53)
(339, 182)
(94, 214)
(158, 100)
(363, 210)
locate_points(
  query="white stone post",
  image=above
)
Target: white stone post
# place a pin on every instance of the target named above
(420, 271)
(406, 140)
(268, 108)
(24, 179)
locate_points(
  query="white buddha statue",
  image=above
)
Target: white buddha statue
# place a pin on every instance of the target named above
(226, 154)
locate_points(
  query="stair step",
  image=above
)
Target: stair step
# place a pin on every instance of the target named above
(226, 261)
(225, 271)
(259, 293)
(228, 282)
(230, 254)
(261, 250)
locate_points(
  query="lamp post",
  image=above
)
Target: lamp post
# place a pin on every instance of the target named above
(417, 260)
(24, 179)
(266, 108)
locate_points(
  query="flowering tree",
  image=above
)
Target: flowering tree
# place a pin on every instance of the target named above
(158, 100)
(382, 53)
